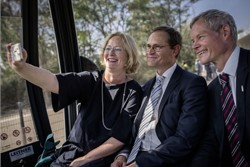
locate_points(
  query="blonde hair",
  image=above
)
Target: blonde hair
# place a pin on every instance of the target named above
(130, 48)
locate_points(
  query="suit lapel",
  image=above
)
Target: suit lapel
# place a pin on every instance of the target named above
(242, 73)
(173, 82)
(147, 90)
(148, 87)
(215, 104)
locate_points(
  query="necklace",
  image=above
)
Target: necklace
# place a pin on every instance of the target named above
(123, 96)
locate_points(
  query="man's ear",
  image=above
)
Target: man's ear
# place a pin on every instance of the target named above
(226, 31)
(176, 50)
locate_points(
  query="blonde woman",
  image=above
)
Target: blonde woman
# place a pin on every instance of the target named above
(109, 100)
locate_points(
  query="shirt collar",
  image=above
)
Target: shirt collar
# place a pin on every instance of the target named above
(232, 63)
(168, 73)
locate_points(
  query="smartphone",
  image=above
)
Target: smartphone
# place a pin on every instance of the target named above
(16, 52)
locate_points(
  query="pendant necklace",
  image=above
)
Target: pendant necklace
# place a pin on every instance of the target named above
(102, 92)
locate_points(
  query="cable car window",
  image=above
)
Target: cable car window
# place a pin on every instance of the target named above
(17, 126)
(48, 59)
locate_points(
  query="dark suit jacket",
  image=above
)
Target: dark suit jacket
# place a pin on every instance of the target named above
(182, 115)
(212, 151)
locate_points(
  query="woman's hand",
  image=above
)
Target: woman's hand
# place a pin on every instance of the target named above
(36, 75)
(16, 65)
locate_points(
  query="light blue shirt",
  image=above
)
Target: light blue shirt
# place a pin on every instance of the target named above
(150, 140)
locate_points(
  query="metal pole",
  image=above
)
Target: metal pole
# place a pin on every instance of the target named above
(20, 108)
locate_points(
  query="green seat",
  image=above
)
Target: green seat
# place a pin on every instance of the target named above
(49, 147)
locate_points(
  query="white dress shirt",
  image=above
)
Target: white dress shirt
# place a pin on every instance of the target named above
(230, 69)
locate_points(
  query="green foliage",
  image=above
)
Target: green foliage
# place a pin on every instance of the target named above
(47, 49)
(13, 88)
(94, 20)
(187, 55)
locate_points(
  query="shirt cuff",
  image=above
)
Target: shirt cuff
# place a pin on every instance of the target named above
(122, 154)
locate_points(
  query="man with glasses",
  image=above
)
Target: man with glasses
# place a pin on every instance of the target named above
(173, 113)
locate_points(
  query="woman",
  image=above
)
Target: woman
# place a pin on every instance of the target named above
(109, 100)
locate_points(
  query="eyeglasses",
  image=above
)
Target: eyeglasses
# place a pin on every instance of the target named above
(117, 50)
(155, 48)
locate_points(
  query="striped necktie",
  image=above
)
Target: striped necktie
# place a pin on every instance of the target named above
(148, 113)
(231, 122)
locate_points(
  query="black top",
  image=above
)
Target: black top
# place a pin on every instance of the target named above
(88, 130)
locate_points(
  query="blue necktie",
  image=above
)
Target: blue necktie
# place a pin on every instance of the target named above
(148, 113)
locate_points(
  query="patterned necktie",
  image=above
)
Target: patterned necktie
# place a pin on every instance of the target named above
(231, 122)
(148, 113)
